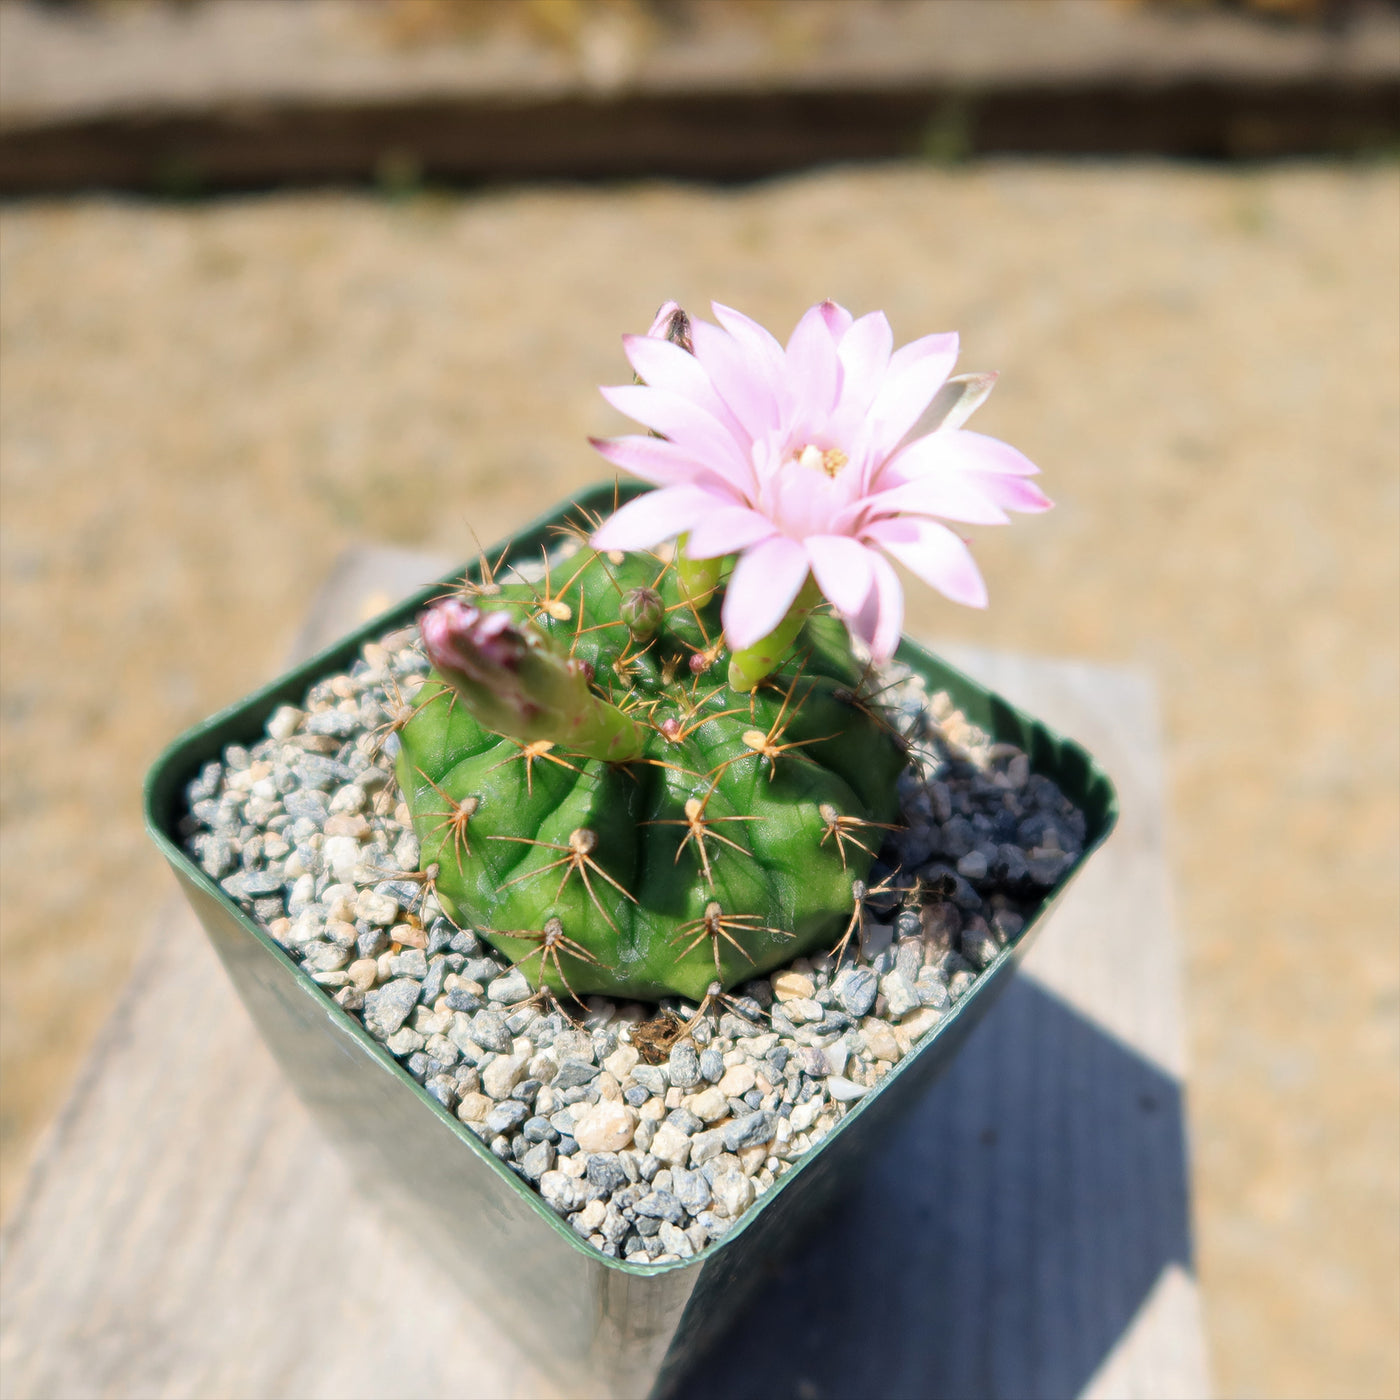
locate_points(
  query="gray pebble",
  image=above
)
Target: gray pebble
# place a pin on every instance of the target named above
(750, 1131)
(480, 970)
(539, 1129)
(387, 1007)
(409, 963)
(605, 1169)
(489, 1032)
(506, 1116)
(855, 988)
(685, 1120)
(691, 1189)
(684, 1066)
(510, 988)
(574, 1073)
(660, 1205)
(712, 1065)
(650, 1077)
(899, 994)
(538, 1160)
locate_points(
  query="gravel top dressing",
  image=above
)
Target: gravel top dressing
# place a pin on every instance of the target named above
(650, 1129)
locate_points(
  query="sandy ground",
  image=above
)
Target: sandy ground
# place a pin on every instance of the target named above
(201, 405)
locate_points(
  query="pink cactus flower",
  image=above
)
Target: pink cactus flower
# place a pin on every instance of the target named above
(800, 459)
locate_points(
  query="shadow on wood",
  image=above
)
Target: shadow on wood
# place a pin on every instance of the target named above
(1004, 1243)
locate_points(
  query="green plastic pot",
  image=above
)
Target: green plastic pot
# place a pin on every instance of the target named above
(605, 1327)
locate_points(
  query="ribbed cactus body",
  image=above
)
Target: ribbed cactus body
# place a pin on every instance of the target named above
(727, 846)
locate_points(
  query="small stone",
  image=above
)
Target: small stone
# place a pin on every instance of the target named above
(973, 866)
(843, 1090)
(788, 986)
(661, 1205)
(683, 1067)
(915, 1025)
(405, 1041)
(651, 1078)
(709, 1105)
(711, 1065)
(510, 988)
(875, 938)
(606, 1126)
(880, 1041)
(506, 1117)
(933, 991)
(978, 943)
(705, 1147)
(539, 1159)
(733, 1193)
(960, 983)
(749, 1131)
(737, 1081)
(813, 1061)
(573, 1073)
(691, 1189)
(621, 1062)
(364, 972)
(670, 1145)
(409, 963)
(473, 1108)
(387, 1007)
(856, 990)
(941, 924)
(605, 1170)
(803, 1011)
(489, 1031)
(502, 1075)
(899, 993)
(906, 924)
(539, 1129)
(342, 854)
(371, 943)
(563, 1192)
(675, 1241)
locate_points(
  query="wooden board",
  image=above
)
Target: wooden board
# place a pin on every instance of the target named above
(186, 1233)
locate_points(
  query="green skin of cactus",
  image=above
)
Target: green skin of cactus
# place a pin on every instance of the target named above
(785, 890)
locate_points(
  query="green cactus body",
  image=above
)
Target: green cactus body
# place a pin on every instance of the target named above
(524, 832)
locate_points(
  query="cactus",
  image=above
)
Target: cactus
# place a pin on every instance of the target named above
(591, 793)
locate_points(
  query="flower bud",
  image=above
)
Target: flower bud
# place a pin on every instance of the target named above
(642, 610)
(674, 325)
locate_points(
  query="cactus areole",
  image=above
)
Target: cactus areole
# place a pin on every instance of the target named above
(591, 794)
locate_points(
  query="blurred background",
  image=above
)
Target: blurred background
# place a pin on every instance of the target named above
(280, 276)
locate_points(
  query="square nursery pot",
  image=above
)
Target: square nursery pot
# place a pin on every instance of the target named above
(603, 1325)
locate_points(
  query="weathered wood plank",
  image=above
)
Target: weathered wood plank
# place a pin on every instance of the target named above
(187, 1233)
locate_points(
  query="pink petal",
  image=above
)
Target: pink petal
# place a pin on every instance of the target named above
(660, 364)
(838, 319)
(655, 460)
(865, 356)
(842, 567)
(687, 425)
(949, 495)
(889, 617)
(744, 382)
(726, 530)
(761, 589)
(936, 554)
(1013, 492)
(910, 385)
(656, 516)
(813, 371)
(758, 344)
(977, 452)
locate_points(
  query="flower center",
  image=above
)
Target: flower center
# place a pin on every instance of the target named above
(829, 460)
